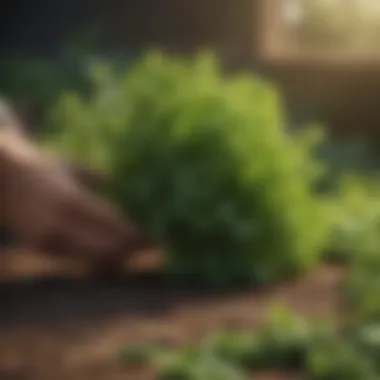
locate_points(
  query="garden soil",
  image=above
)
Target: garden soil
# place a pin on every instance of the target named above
(56, 325)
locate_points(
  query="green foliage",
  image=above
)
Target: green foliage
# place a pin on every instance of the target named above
(352, 194)
(368, 342)
(194, 363)
(87, 129)
(198, 364)
(203, 163)
(240, 348)
(355, 209)
(361, 293)
(136, 355)
(345, 155)
(38, 82)
(335, 359)
(282, 343)
(362, 287)
(286, 341)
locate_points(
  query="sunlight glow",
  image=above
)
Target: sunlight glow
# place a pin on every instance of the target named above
(348, 22)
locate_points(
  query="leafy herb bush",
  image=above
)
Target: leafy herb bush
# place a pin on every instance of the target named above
(203, 163)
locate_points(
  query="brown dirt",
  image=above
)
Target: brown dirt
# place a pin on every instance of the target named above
(72, 329)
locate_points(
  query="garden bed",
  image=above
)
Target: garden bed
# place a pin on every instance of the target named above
(73, 329)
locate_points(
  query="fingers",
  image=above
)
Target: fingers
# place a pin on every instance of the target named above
(102, 257)
(95, 244)
(102, 216)
(88, 227)
(92, 228)
(76, 240)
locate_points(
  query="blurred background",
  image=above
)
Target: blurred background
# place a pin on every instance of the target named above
(323, 58)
